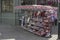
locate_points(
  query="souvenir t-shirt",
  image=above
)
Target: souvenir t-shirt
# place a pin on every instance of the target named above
(43, 14)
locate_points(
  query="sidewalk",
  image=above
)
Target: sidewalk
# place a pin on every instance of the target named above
(7, 32)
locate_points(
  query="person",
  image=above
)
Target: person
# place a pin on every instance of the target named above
(54, 18)
(55, 14)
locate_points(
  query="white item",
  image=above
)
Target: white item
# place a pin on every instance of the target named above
(28, 19)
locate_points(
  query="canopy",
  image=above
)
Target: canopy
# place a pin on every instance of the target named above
(36, 7)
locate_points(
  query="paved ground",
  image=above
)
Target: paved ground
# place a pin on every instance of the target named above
(7, 32)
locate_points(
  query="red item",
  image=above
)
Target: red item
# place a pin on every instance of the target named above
(43, 14)
(35, 14)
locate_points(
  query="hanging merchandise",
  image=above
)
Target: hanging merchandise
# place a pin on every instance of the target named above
(50, 2)
(43, 14)
(39, 20)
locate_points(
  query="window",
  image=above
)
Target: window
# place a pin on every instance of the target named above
(27, 2)
(52, 2)
(7, 5)
(41, 2)
(47, 2)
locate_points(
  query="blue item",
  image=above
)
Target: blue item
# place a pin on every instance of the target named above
(53, 18)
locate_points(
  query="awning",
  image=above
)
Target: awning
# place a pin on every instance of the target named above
(36, 7)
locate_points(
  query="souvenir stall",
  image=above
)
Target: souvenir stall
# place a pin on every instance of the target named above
(38, 19)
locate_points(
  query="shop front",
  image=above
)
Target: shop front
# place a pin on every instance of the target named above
(31, 2)
(11, 16)
(38, 19)
(8, 13)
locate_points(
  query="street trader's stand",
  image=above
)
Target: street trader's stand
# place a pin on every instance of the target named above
(38, 19)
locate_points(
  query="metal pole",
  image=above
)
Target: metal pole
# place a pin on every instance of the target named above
(58, 7)
(58, 22)
(1, 11)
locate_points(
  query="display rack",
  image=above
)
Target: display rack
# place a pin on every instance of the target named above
(38, 19)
